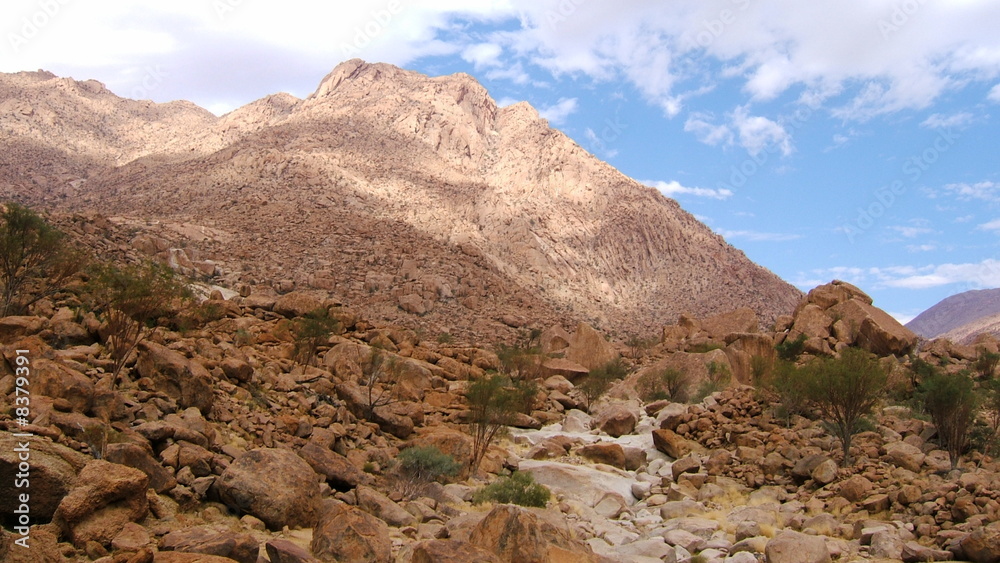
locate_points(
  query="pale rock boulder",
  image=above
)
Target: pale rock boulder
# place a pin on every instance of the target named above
(618, 419)
(450, 551)
(589, 348)
(296, 304)
(586, 484)
(907, 456)
(56, 380)
(719, 326)
(795, 547)
(554, 340)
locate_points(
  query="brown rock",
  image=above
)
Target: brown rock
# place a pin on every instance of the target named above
(107, 497)
(133, 537)
(296, 304)
(719, 326)
(43, 546)
(383, 508)
(133, 455)
(617, 420)
(983, 544)
(53, 473)
(339, 472)
(825, 473)
(687, 464)
(237, 369)
(284, 551)
(182, 557)
(274, 485)
(451, 551)
(563, 367)
(346, 533)
(181, 379)
(855, 488)
(670, 443)
(242, 548)
(905, 455)
(603, 452)
(58, 381)
(515, 534)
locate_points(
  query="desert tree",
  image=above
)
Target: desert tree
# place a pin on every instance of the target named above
(494, 401)
(310, 332)
(35, 259)
(129, 299)
(380, 373)
(845, 390)
(986, 363)
(952, 403)
(664, 383)
(599, 380)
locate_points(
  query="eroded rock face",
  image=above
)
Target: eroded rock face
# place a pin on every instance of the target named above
(588, 348)
(107, 497)
(275, 485)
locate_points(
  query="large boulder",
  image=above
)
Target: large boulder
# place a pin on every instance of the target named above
(588, 348)
(242, 548)
(983, 544)
(718, 326)
(181, 379)
(133, 455)
(383, 508)
(339, 472)
(618, 419)
(296, 304)
(107, 497)
(347, 533)
(585, 484)
(516, 535)
(53, 469)
(58, 381)
(275, 485)
(451, 551)
(796, 547)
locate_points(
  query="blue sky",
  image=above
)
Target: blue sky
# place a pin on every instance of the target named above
(854, 140)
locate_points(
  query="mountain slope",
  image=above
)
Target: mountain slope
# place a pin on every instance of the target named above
(955, 312)
(387, 183)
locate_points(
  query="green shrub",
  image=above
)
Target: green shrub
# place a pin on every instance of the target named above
(952, 402)
(311, 331)
(520, 489)
(790, 386)
(494, 401)
(427, 463)
(986, 363)
(599, 380)
(790, 350)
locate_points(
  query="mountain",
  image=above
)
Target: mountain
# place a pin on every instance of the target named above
(960, 316)
(415, 197)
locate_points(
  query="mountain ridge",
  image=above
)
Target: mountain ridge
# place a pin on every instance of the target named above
(380, 145)
(958, 316)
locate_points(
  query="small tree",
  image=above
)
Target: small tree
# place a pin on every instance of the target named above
(666, 383)
(310, 332)
(380, 374)
(952, 403)
(599, 380)
(494, 402)
(790, 350)
(790, 385)
(35, 260)
(421, 465)
(130, 299)
(986, 363)
(520, 488)
(520, 360)
(846, 389)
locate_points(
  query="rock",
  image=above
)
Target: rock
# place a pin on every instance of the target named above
(452, 442)
(43, 546)
(796, 547)
(58, 381)
(242, 548)
(604, 452)
(133, 455)
(284, 551)
(617, 420)
(15, 327)
(583, 483)
(515, 534)
(133, 537)
(825, 473)
(296, 304)
(554, 339)
(412, 303)
(907, 456)
(668, 442)
(347, 533)
(913, 552)
(389, 421)
(237, 369)
(339, 472)
(588, 348)
(886, 544)
(382, 507)
(719, 326)
(565, 368)
(181, 557)
(274, 485)
(107, 497)
(803, 468)
(855, 488)
(983, 544)
(687, 464)
(577, 421)
(53, 473)
(450, 551)
(179, 378)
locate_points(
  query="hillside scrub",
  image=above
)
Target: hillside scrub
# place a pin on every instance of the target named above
(952, 403)
(599, 380)
(494, 401)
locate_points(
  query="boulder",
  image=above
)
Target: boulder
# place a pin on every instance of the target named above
(604, 452)
(515, 534)
(339, 472)
(107, 497)
(450, 551)
(179, 378)
(983, 544)
(855, 488)
(275, 485)
(588, 348)
(53, 470)
(668, 442)
(796, 547)
(825, 473)
(296, 304)
(554, 339)
(242, 548)
(347, 533)
(719, 326)
(58, 381)
(383, 508)
(586, 484)
(569, 369)
(617, 419)
(133, 455)
(284, 551)
(907, 456)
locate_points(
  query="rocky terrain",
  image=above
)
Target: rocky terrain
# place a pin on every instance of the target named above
(412, 198)
(961, 318)
(220, 446)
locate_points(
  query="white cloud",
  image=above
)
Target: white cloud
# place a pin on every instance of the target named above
(921, 247)
(910, 232)
(558, 112)
(994, 95)
(483, 55)
(993, 225)
(938, 121)
(756, 236)
(758, 133)
(973, 275)
(707, 132)
(674, 188)
(986, 191)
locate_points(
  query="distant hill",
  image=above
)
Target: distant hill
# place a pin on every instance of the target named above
(960, 315)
